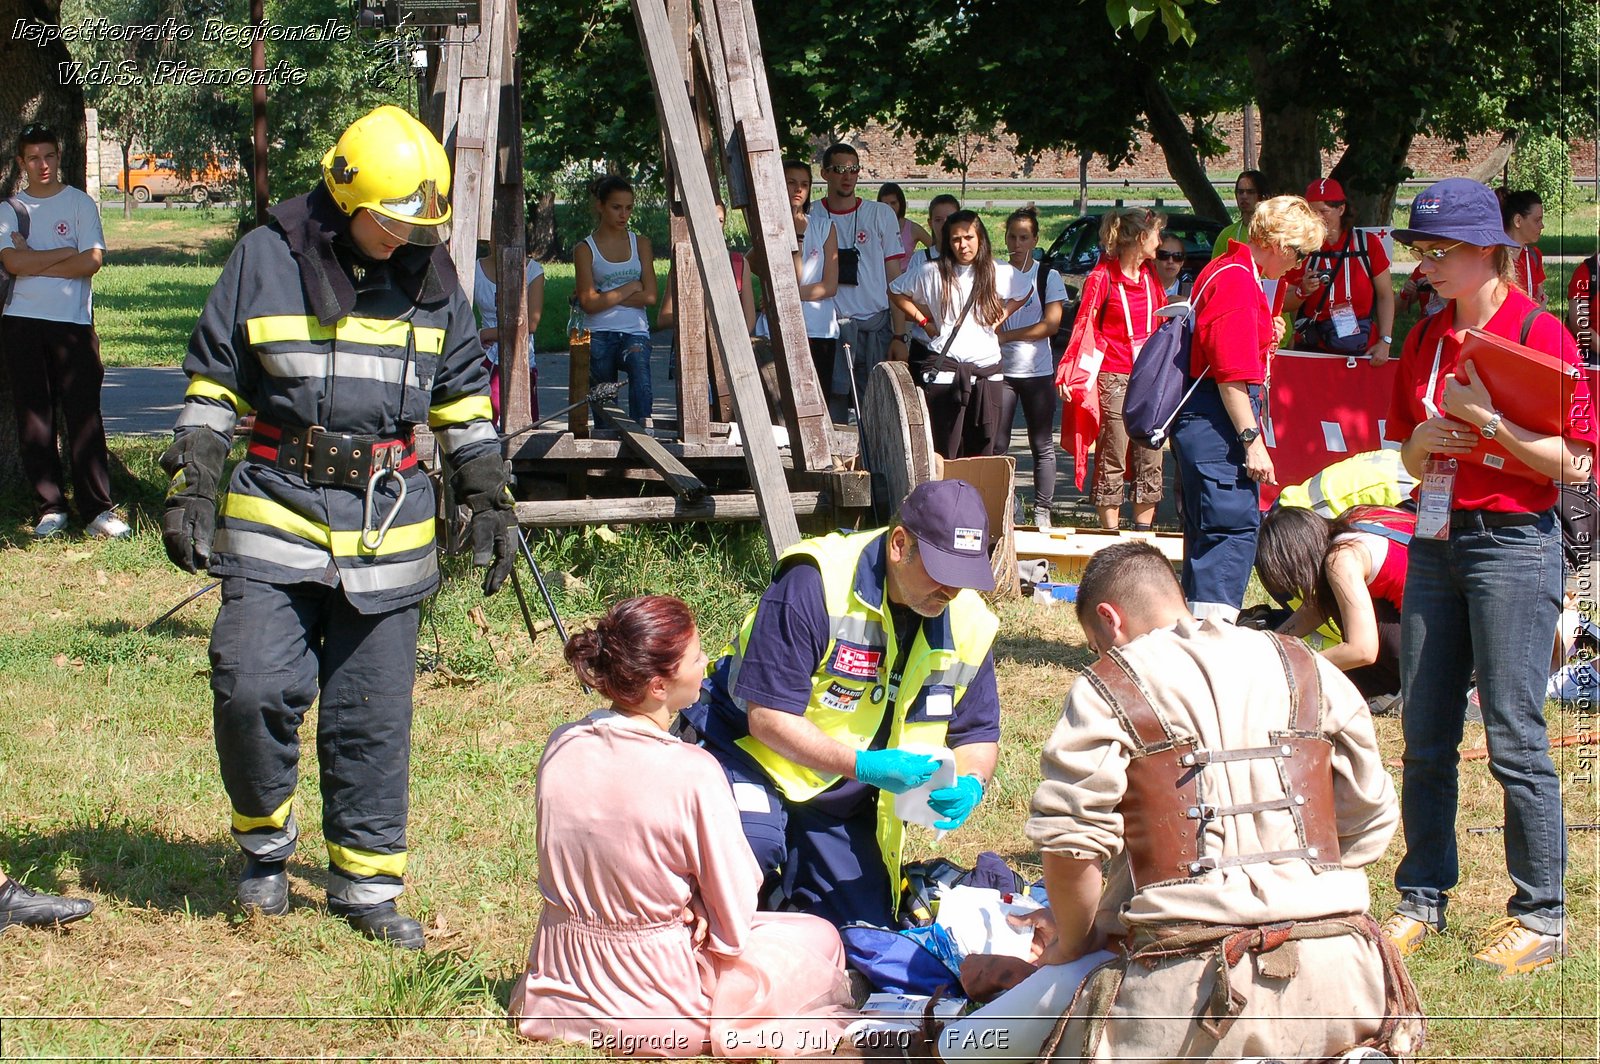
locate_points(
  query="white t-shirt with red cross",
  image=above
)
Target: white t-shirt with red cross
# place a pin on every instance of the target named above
(873, 230)
(67, 219)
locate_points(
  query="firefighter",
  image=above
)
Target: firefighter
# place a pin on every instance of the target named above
(341, 326)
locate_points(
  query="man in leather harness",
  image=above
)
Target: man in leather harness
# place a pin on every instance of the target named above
(341, 325)
(1231, 783)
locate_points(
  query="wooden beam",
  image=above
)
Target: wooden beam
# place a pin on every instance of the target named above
(545, 446)
(689, 308)
(682, 483)
(711, 50)
(510, 236)
(556, 513)
(672, 101)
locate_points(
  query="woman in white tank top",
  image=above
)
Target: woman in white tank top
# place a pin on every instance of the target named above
(616, 281)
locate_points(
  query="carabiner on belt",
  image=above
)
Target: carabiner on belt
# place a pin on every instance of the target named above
(372, 538)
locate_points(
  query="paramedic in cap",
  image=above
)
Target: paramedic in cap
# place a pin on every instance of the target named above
(866, 646)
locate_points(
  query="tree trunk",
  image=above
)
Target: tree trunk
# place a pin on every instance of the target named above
(1290, 132)
(31, 90)
(544, 239)
(1492, 165)
(1177, 146)
(1380, 153)
(127, 177)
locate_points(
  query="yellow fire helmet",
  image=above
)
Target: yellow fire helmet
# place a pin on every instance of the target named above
(391, 164)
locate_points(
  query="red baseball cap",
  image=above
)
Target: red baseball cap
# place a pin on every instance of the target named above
(1324, 190)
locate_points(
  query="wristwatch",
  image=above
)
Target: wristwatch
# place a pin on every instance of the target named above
(1249, 435)
(1388, 340)
(1492, 426)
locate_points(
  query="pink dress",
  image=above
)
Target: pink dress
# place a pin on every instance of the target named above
(634, 826)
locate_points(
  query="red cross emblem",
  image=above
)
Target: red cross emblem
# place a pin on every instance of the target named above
(61, 229)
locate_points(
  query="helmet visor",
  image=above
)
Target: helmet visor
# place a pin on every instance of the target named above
(423, 217)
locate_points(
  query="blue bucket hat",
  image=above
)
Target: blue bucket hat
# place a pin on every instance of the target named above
(1457, 208)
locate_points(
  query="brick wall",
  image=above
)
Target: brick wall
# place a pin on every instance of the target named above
(887, 157)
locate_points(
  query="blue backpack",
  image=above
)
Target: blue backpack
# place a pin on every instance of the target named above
(1159, 384)
(898, 963)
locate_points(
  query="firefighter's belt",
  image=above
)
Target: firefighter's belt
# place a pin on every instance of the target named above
(337, 459)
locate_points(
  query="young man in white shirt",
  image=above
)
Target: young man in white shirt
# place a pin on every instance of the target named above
(47, 332)
(870, 257)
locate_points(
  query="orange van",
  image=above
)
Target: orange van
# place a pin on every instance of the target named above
(158, 177)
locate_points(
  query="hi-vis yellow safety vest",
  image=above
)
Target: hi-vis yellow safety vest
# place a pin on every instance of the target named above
(851, 688)
(1371, 478)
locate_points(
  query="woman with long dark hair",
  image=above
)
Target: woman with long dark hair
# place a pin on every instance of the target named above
(959, 300)
(649, 943)
(1350, 570)
(616, 280)
(1341, 297)
(1483, 591)
(1026, 357)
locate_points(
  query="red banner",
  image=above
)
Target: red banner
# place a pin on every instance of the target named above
(1321, 409)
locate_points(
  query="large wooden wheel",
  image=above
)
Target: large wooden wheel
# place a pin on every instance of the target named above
(896, 440)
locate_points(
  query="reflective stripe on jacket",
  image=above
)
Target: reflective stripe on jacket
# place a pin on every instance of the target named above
(386, 367)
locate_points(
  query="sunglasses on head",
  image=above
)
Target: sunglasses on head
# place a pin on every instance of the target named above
(33, 127)
(1170, 256)
(843, 169)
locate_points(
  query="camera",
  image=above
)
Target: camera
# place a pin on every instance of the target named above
(1326, 277)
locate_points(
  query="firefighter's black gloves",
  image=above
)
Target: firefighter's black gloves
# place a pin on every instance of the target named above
(195, 462)
(484, 485)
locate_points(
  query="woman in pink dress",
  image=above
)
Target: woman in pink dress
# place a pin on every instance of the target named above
(649, 943)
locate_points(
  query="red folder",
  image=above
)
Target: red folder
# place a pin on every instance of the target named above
(1531, 388)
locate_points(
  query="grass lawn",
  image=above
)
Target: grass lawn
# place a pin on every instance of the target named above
(108, 788)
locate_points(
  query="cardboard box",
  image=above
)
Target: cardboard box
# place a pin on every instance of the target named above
(1069, 549)
(995, 478)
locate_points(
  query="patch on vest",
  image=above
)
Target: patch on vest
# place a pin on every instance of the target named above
(839, 698)
(856, 661)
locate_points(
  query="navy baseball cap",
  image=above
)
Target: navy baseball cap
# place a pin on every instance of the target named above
(1457, 208)
(951, 525)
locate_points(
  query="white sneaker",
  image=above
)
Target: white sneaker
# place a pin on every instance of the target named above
(1385, 705)
(109, 526)
(1041, 518)
(50, 525)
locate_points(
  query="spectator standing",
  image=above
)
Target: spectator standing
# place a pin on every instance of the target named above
(1483, 591)
(616, 281)
(1248, 190)
(816, 264)
(1342, 297)
(50, 241)
(1116, 315)
(1026, 358)
(940, 208)
(653, 877)
(485, 292)
(1176, 282)
(870, 257)
(1523, 216)
(911, 234)
(1216, 437)
(959, 300)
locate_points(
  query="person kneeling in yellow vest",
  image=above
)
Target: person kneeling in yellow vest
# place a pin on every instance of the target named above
(866, 648)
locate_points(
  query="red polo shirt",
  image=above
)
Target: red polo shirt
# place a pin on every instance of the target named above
(1232, 321)
(1530, 270)
(1477, 486)
(1351, 283)
(1120, 310)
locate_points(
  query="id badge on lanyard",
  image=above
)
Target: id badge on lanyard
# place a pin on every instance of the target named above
(1433, 501)
(1343, 314)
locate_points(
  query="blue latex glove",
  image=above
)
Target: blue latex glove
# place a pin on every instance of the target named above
(895, 771)
(956, 803)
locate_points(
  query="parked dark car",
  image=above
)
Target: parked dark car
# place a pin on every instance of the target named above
(1076, 250)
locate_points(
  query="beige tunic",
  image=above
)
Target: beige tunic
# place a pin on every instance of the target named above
(1225, 686)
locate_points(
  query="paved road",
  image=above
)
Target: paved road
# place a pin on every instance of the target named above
(145, 402)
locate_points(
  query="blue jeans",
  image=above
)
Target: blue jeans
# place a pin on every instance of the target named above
(1221, 504)
(1488, 597)
(630, 353)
